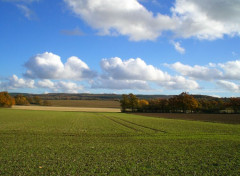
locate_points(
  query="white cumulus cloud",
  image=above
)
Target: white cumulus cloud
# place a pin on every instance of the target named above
(69, 87)
(109, 83)
(125, 17)
(179, 83)
(196, 72)
(50, 66)
(229, 86)
(205, 19)
(214, 71)
(231, 69)
(46, 83)
(60, 86)
(135, 70)
(14, 83)
(132, 69)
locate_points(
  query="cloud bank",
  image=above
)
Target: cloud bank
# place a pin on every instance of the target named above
(135, 70)
(227, 71)
(14, 83)
(60, 86)
(47, 71)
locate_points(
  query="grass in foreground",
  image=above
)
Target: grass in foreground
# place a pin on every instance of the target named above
(75, 143)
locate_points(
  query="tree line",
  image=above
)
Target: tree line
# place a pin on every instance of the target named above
(182, 103)
(8, 101)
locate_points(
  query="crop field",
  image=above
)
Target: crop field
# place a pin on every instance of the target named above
(86, 103)
(87, 143)
(218, 118)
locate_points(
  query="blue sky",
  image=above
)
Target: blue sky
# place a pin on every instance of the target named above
(120, 46)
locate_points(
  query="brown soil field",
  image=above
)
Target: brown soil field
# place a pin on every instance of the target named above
(219, 118)
(86, 103)
(79, 109)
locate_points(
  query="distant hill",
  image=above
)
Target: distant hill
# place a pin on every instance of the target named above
(86, 96)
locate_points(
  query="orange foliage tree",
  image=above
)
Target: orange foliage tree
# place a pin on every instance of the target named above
(21, 100)
(6, 100)
(142, 104)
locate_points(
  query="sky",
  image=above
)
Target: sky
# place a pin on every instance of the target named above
(120, 46)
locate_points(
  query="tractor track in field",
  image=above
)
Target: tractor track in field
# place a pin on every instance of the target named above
(150, 128)
(122, 124)
(132, 123)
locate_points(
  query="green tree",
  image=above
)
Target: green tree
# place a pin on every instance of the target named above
(133, 101)
(124, 102)
(235, 104)
(129, 101)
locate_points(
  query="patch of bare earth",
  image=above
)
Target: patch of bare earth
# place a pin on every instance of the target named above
(219, 118)
(79, 109)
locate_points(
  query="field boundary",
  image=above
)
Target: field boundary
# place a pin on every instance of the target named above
(70, 109)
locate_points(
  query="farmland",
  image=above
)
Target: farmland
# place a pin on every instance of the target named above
(87, 143)
(66, 109)
(86, 103)
(218, 118)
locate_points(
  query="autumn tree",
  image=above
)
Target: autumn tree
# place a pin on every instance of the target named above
(142, 104)
(174, 104)
(6, 100)
(235, 104)
(30, 99)
(129, 101)
(124, 102)
(187, 102)
(21, 100)
(153, 105)
(164, 105)
(46, 103)
(37, 100)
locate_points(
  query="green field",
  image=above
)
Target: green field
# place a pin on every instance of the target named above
(78, 143)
